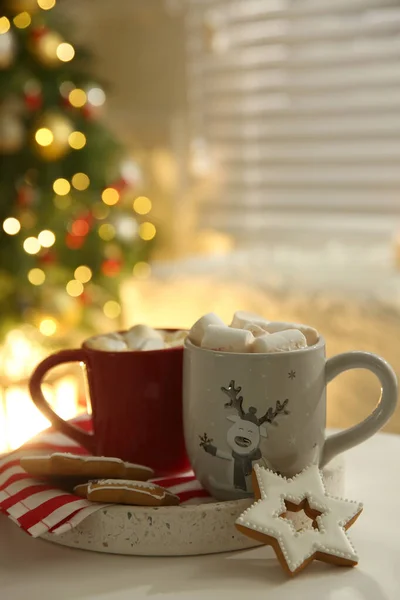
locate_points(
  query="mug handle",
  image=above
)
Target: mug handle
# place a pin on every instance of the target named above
(35, 388)
(339, 442)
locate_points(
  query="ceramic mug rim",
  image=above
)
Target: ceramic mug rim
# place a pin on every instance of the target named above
(188, 345)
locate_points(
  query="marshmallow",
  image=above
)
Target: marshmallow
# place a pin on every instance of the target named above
(197, 331)
(241, 318)
(311, 334)
(152, 344)
(137, 335)
(290, 339)
(175, 339)
(255, 329)
(115, 335)
(107, 344)
(227, 339)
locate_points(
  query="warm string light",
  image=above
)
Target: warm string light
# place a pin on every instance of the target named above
(77, 98)
(4, 25)
(77, 140)
(142, 205)
(61, 187)
(36, 276)
(110, 196)
(46, 238)
(83, 274)
(23, 20)
(80, 181)
(65, 52)
(31, 245)
(112, 309)
(147, 231)
(44, 136)
(48, 326)
(74, 288)
(46, 4)
(11, 226)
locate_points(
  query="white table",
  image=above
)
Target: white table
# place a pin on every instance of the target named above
(38, 570)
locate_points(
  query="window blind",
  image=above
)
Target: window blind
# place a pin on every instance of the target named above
(299, 103)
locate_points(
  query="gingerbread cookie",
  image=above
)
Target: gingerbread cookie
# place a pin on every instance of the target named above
(266, 519)
(117, 491)
(82, 468)
(81, 489)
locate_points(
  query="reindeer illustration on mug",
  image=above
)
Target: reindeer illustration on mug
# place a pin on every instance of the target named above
(244, 435)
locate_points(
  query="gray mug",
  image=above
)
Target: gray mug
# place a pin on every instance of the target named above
(270, 409)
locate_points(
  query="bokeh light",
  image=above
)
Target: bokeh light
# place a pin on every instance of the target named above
(74, 288)
(48, 326)
(83, 274)
(107, 232)
(44, 136)
(32, 245)
(80, 227)
(147, 231)
(61, 187)
(142, 270)
(77, 140)
(46, 4)
(96, 96)
(65, 52)
(142, 205)
(36, 276)
(110, 196)
(22, 20)
(80, 181)
(112, 309)
(4, 25)
(11, 226)
(46, 238)
(77, 98)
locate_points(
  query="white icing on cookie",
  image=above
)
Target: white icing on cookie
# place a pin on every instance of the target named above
(264, 516)
(86, 458)
(146, 488)
(141, 467)
(128, 482)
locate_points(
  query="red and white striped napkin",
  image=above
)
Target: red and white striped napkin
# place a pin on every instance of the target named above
(38, 507)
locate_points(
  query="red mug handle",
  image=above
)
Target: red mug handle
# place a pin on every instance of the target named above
(35, 388)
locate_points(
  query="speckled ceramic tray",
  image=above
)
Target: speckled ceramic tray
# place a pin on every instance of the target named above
(189, 529)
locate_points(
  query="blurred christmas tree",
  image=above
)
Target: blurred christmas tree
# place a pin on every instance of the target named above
(73, 218)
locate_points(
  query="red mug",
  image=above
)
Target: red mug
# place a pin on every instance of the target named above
(136, 400)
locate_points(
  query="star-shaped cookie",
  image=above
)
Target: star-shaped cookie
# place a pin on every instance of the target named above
(265, 520)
